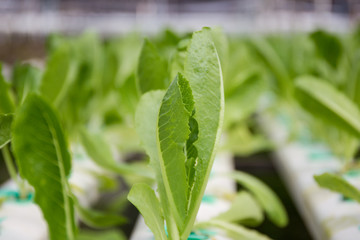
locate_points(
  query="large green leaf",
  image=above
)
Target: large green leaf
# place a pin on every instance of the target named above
(5, 128)
(145, 200)
(6, 101)
(234, 231)
(26, 79)
(152, 69)
(99, 151)
(264, 195)
(338, 184)
(59, 74)
(203, 71)
(43, 159)
(173, 132)
(327, 103)
(244, 209)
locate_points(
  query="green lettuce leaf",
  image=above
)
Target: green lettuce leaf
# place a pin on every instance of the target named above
(99, 151)
(60, 72)
(338, 184)
(145, 200)
(328, 104)
(244, 209)
(203, 71)
(267, 199)
(43, 159)
(26, 79)
(152, 69)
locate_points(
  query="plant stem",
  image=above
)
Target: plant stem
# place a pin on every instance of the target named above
(12, 171)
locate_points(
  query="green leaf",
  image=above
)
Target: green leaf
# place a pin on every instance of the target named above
(173, 132)
(243, 98)
(327, 103)
(60, 72)
(152, 69)
(5, 128)
(6, 102)
(338, 184)
(178, 58)
(145, 200)
(234, 231)
(103, 235)
(129, 97)
(89, 53)
(43, 159)
(272, 60)
(26, 79)
(146, 119)
(328, 46)
(99, 151)
(264, 195)
(98, 219)
(244, 210)
(126, 50)
(203, 71)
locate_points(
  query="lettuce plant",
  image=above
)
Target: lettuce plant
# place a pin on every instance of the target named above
(43, 159)
(180, 130)
(40, 148)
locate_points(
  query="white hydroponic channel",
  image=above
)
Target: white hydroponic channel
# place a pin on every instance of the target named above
(328, 215)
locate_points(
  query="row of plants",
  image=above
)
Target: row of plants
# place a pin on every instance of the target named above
(315, 83)
(173, 96)
(113, 97)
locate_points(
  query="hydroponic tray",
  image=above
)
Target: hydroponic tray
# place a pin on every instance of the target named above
(213, 202)
(328, 215)
(22, 219)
